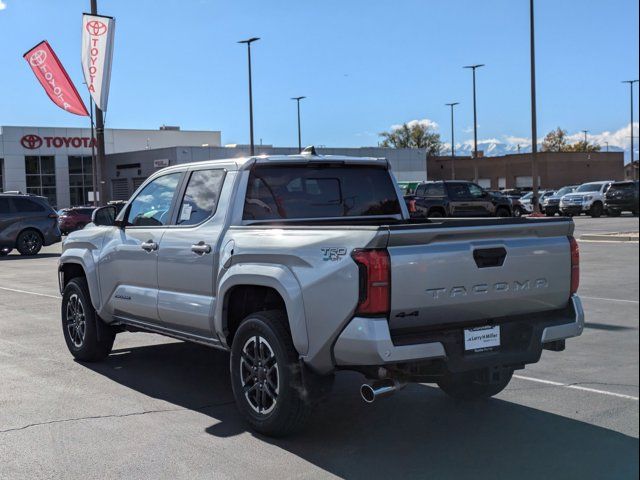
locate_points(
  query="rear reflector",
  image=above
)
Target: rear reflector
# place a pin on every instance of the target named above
(375, 281)
(575, 265)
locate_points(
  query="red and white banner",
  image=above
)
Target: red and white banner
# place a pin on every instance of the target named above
(54, 79)
(97, 54)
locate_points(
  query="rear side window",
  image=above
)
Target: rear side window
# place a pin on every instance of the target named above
(324, 191)
(435, 190)
(26, 205)
(201, 196)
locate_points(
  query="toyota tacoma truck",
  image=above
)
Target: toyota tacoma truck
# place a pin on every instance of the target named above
(301, 266)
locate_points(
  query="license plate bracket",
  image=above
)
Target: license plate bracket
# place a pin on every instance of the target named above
(482, 339)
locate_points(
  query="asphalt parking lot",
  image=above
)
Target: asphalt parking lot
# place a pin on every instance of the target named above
(159, 408)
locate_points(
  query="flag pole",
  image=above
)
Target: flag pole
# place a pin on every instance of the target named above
(94, 173)
(99, 131)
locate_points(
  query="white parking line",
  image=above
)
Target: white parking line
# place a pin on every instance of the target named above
(577, 387)
(609, 299)
(30, 293)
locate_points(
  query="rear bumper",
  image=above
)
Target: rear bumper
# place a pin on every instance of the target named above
(368, 341)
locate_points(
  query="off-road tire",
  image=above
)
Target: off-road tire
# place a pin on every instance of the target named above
(293, 405)
(97, 340)
(465, 386)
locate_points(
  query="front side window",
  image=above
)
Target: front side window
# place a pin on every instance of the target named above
(201, 197)
(458, 191)
(152, 205)
(323, 191)
(476, 191)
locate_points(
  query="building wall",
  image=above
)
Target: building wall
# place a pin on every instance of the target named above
(555, 169)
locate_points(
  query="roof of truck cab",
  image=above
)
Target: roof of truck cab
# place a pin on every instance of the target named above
(244, 163)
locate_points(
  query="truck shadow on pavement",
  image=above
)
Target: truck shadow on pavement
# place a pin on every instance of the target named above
(418, 433)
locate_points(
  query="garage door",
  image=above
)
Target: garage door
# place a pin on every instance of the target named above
(120, 189)
(137, 182)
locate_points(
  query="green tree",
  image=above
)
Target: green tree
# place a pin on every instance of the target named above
(582, 146)
(416, 135)
(555, 141)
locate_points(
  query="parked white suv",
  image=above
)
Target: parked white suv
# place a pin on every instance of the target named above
(588, 198)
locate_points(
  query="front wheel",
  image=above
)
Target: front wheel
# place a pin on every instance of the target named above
(266, 376)
(80, 324)
(503, 212)
(596, 210)
(474, 385)
(517, 212)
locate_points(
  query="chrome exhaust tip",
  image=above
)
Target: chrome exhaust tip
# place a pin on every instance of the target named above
(379, 389)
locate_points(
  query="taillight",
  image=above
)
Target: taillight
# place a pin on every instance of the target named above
(575, 265)
(375, 281)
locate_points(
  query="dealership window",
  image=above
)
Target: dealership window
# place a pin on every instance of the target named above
(80, 180)
(41, 176)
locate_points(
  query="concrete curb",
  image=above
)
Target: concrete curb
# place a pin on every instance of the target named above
(609, 237)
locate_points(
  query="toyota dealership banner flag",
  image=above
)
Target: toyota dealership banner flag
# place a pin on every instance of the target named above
(97, 53)
(54, 78)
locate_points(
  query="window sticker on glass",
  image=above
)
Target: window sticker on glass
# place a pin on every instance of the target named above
(185, 214)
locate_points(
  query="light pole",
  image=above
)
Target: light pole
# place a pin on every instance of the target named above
(453, 142)
(475, 122)
(633, 167)
(297, 99)
(534, 120)
(586, 141)
(607, 144)
(249, 42)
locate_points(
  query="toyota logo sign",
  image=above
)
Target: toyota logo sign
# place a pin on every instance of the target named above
(38, 58)
(96, 28)
(31, 142)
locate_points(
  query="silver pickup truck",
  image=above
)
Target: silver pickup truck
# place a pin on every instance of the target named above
(304, 265)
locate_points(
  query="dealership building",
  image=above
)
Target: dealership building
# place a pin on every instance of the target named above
(56, 162)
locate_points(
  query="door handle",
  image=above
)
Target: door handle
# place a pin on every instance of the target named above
(201, 248)
(149, 246)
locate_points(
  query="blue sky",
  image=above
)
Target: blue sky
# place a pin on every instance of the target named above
(364, 66)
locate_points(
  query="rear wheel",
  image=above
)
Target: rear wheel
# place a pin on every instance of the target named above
(596, 210)
(435, 214)
(87, 341)
(29, 243)
(475, 385)
(266, 376)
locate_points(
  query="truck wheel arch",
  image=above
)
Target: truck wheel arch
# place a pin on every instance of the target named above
(274, 281)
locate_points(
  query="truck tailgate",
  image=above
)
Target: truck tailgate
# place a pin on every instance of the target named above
(458, 272)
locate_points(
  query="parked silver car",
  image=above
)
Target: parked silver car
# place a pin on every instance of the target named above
(304, 265)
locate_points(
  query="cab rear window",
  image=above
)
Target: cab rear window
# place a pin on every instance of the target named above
(303, 191)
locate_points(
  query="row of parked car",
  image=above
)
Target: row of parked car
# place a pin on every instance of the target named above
(28, 222)
(457, 198)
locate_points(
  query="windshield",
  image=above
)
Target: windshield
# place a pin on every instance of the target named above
(589, 187)
(527, 196)
(564, 191)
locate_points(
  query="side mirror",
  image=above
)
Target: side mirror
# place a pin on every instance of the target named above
(104, 216)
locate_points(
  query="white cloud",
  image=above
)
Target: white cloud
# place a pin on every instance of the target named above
(621, 138)
(424, 122)
(2, 5)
